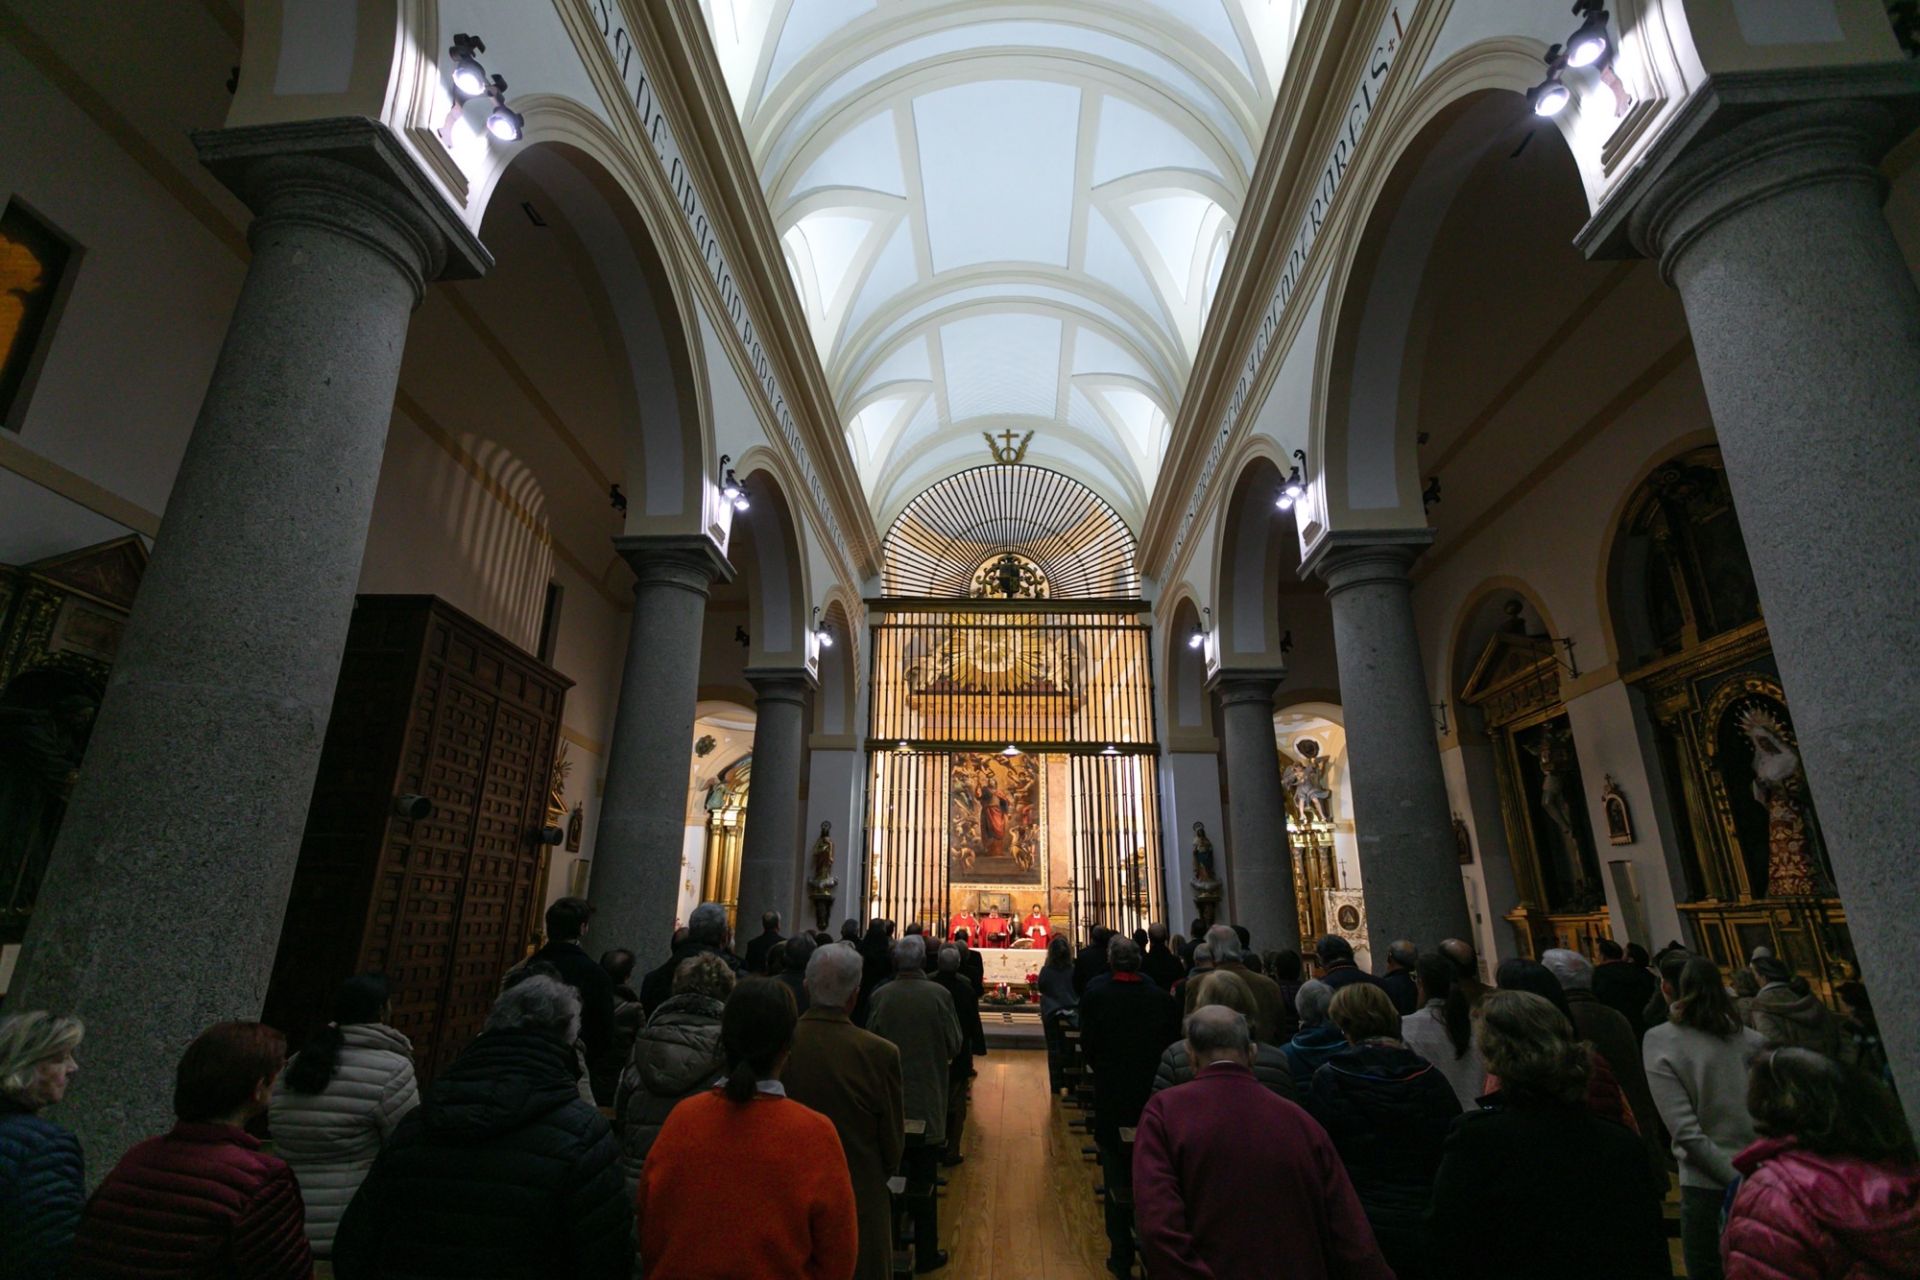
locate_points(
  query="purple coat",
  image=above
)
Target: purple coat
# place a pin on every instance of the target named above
(1230, 1180)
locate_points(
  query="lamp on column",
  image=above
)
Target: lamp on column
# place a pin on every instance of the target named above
(822, 634)
(730, 487)
(1296, 486)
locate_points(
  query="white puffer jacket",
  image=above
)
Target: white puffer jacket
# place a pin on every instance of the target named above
(332, 1137)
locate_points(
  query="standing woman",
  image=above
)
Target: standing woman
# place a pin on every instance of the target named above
(1057, 1002)
(338, 1101)
(42, 1187)
(747, 1156)
(1697, 1068)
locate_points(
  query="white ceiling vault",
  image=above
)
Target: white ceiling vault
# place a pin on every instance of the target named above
(1005, 214)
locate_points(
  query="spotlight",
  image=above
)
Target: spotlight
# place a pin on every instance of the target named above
(903, 747)
(821, 634)
(730, 487)
(1110, 750)
(1199, 637)
(1591, 43)
(1295, 488)
(1550, 97)
(506, 124)
(1011, 751)
(469, 77)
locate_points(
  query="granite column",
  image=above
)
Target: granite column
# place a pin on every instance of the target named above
(161, 907)
(770, 853)
(1259, 861)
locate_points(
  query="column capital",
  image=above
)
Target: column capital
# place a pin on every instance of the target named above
(350, 175)
(1365, 557)
(1237, 685)
(691, 562)
(781, 684)
(1753, 109)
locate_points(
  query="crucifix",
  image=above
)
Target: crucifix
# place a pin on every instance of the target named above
(1008, 453)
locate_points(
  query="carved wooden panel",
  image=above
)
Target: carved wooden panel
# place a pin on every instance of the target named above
(430, 703)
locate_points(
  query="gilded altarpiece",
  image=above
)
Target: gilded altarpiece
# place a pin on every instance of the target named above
(1516, 687)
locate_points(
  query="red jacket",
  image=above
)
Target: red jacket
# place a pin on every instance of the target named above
(1801, 1216)
(1198, 1149)
(202, 1202)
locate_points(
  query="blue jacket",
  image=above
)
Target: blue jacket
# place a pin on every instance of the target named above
(42, 1190)
(1310, 1047)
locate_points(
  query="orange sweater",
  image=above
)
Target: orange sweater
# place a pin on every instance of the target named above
(735, 1191)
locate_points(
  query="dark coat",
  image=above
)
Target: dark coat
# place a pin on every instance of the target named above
(1627, 988)
(756, 961)
(1270, 1068)
(657, 987)
(916, 1014)
(1089, 964)
(966, 1007)
(629, 1015)
(1275, 1015)
(1125, 1023)
(501, 1171)
(584, 974)
(1344, 973)
(1310, 1047)
(202, 1200)
(1544, 1190)
(795, 980)
(1610, 1033)
(1162, 965)
(852, 1077)
(1402, 990)
(42, 1189)
(974, 967)
(1387, 1110)
(676, 1055)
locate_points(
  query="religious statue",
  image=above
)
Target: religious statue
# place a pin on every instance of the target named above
(1306, 780)
(1554, 750)
(1780, 783)
(821, 882)
(1206, 881)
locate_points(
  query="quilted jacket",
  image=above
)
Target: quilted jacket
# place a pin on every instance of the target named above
(1801, 1216)
(1270, 1068)
(501, 1171)
(41, 1192)
(331, 1137)
(200, 1202)
(676, 1055)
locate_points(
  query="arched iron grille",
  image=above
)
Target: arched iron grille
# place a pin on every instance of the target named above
(946, 534)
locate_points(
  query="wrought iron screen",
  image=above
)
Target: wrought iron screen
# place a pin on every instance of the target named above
(1116, 842)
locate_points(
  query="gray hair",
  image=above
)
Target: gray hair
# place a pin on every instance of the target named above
(1123, 954)
(1312, 1002)
(538, 1003)
(29, 1039)
(1403, 953)
(1223, 944)
(708, 925)
(704, 975)
(1202, 952)
(948, 959)
(910, 953)
(1574, 970)
(1215, 1028)
(833, 974)
(1157, 931)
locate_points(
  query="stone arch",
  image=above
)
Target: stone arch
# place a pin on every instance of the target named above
(1257, 548)
(1608, 583)
(765, 547)
(1481, 613)
(1189, 705)
(836, 705)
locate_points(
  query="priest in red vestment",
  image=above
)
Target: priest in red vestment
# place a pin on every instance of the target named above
(995, 930)
(1037, 928)
(965, 919)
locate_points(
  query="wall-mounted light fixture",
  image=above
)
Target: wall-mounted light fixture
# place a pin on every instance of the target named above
(1430, 494)
(1199, 637)
(822, 634)
(730, 487)
(468, 76)
(617, 499)
(1440, 718)
(1011, 751)
(1592, 44)
(470, 80)
(1296, 486)
(1550, 97)
(1109, 750)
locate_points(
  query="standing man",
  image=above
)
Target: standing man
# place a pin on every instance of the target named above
(964, 921)
(993, 929)
(1037, 929)
(1398, 979)
(1203, 1147)
(852, 1077)
(1160, 963)
(1125, 1024)
(757, 949)
(1223, 943)
(915, 1014)
(972, 967)
(567, 921)
(973, 1035)
(1333, 957)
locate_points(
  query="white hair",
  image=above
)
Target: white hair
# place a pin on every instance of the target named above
(1223, 943)
(29, 1039)
(910, 953)
(833, 974)
(1202, 952)
(1574, 970)
(1312, 1002)
(538, 1003)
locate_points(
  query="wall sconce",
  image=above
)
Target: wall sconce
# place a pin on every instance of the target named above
(730, 487)
(470, 80)
(1592, 43)
(1550, 97)
(1199, 637)
(1110, 750)
(1440, 718)
(740, 636)
(822, 635)
(469, 77)
(412, 808)
(1431, 494)
(618, 499)
(1011, 751)
(549, 835)
(1296, 486)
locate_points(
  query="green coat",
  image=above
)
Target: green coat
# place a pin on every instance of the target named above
(917, 1014)
(852, 1077)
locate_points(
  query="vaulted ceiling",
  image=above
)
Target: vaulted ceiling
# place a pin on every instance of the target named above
(1005, 215)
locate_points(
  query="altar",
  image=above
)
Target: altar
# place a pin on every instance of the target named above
(1011, 965)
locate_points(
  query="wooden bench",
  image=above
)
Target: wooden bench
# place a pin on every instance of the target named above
(903, 1196)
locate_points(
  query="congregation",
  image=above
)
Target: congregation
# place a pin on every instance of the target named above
(1255, 1115)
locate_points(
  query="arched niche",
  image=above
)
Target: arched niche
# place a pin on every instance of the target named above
(1189, 704)
(836, 705)
(765, 549)
(1258, 553)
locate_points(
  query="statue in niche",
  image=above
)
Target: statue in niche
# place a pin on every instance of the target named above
(1554, 750)
(1306, 781)
(1202, 854)
(1780, 783)
(821, 882)
(1206, 881)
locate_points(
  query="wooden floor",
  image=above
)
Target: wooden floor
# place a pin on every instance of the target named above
(1022, 1206)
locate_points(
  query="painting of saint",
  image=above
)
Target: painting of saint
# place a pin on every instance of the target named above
(993, 826)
